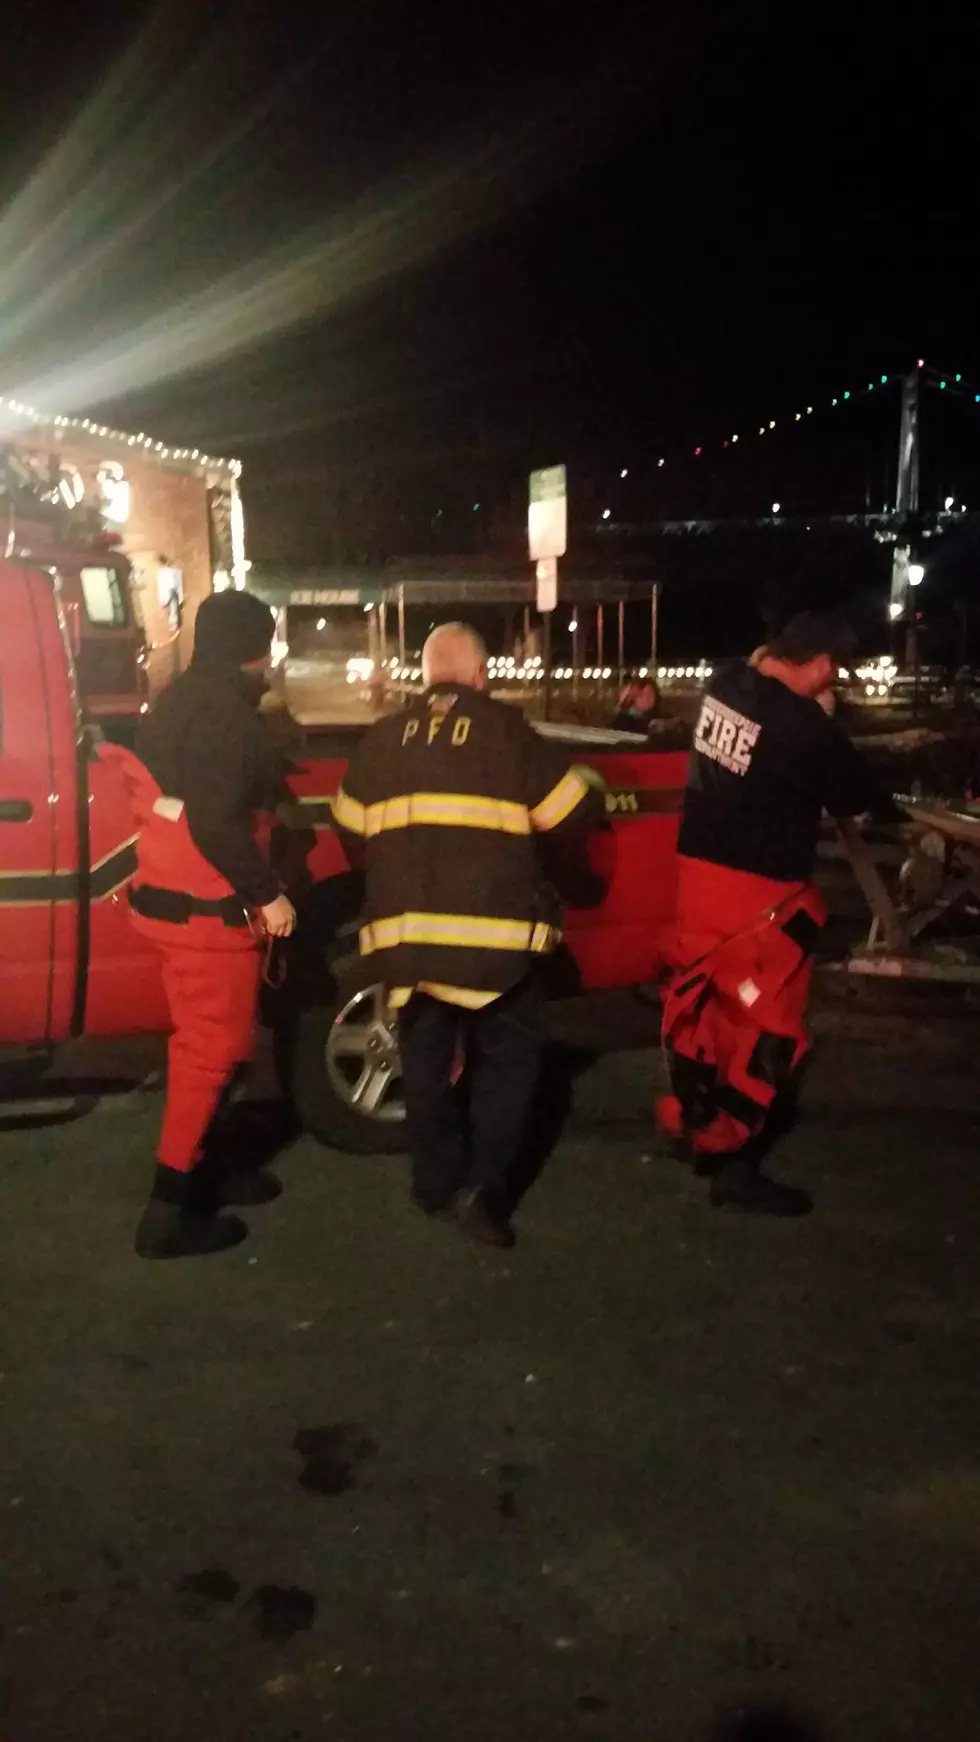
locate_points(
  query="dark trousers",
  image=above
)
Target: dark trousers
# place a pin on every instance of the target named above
(467, 1135)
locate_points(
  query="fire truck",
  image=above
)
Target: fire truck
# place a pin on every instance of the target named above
(73, 965)
(107, 644)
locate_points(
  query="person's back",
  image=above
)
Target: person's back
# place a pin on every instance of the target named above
(449, 798)
(442, 805)
(766, 761)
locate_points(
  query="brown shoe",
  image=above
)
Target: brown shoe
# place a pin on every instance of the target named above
(480, 1222)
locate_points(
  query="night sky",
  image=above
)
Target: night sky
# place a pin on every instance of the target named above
(434, 244)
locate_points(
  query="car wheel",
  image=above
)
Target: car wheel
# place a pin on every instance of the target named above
(20, 1071)
(346, 1077)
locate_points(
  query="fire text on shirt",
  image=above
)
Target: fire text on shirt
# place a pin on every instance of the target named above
(726, 736)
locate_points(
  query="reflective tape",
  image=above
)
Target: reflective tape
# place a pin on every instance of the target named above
(450, 809)
(559, 802)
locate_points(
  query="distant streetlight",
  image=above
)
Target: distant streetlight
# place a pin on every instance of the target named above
(775, 507)
(606, 513)
(573, 626)
(623, 472)
(894, 610)
(917, 574)
(321, 622)
(948, 503)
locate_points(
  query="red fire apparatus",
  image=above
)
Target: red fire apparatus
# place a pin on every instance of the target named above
(96, 598)
(72, 963)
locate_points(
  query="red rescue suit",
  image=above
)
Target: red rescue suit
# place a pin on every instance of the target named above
(211, 962)
(733, 1021)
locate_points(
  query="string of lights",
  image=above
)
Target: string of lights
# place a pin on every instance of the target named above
(157, 449)
(951, 381)
(945, 381)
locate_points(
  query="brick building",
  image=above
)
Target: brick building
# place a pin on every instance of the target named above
(177, 513)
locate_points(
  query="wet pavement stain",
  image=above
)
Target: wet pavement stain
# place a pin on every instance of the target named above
(591, 1703)
(510, 1475)
(129, 1363)
(212, 1585)
(333, 1456)
(279, 1611)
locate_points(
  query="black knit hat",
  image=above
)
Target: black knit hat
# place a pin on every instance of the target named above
(232, 628)
(811, 633)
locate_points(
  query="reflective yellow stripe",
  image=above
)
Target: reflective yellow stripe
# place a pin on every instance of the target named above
(455, 809)
(456, 930)
(466, 996)
(559, 802)
(348, 813)
(544, 938)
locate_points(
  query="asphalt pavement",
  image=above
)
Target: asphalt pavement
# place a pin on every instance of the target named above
(360, 1481)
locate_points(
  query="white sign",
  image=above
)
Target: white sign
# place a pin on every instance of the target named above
(333, 596)
(547, 578)
(547, 513)
(170, 586)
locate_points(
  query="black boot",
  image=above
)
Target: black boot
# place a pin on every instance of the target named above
(431, 1203)
(483, 1220)
(175, 1225)
(739, 1185)
(218, 1182)
(241, 1141)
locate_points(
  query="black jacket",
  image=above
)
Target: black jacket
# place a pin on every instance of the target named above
(444, 804)
(765, 764)
(205, 743)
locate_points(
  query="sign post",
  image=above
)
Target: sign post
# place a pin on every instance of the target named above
(547, 537)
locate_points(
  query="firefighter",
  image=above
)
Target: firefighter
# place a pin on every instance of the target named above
(203, 776)
(448, 806)
(767, 760)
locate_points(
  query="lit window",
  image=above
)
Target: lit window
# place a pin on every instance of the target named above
(105, 597)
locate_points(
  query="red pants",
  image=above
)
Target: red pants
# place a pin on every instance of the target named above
(212, 996)
(733, 1023)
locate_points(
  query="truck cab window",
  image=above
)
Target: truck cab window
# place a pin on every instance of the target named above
(105, 597)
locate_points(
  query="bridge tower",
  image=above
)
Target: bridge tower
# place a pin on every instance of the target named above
(906, 488)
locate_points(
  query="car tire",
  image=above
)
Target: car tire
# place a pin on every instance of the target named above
(343, 1069)
(20, 1072)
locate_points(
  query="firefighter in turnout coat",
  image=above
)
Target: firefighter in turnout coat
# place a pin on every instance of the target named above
(446, 806)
